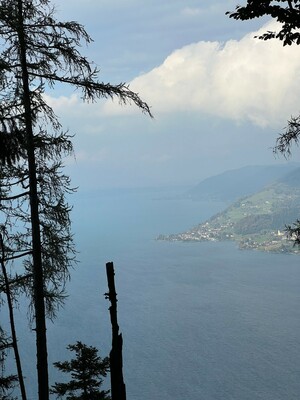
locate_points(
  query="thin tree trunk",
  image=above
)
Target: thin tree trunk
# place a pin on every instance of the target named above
(39, 302)
(118, 388)
(12, 322)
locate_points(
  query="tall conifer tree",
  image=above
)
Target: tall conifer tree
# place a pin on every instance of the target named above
(37, 52)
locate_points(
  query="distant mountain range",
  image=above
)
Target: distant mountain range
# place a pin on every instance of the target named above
(232, 185)
(256, 221)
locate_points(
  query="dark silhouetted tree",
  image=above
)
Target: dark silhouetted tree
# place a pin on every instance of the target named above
(118, 387)
(9, 299)
(37, 52)
(7, 382)
(87, 370)
(286, 12)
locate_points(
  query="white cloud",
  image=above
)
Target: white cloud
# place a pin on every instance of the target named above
(77, 113)
(62, 102)
(247, 79)
(191, 11)
(98, 156)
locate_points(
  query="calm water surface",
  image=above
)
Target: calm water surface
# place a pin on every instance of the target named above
(199, 320)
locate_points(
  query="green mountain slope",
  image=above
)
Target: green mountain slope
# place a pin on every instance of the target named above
(257, 221)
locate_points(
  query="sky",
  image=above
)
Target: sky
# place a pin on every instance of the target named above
(219, 96)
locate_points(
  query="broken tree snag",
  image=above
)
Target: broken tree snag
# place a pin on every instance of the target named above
(118, 389)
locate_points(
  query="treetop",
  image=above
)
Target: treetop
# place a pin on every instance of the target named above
(286, 12)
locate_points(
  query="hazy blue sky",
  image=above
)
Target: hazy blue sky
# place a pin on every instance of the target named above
(219, 96)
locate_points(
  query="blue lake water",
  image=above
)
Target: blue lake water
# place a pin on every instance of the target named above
(199, 320)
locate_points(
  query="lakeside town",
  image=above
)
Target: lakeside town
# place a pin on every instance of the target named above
(273, 241)
(255, 222)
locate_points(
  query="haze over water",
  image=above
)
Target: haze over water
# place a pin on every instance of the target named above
(199, 320)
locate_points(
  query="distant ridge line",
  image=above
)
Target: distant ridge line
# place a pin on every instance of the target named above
(234, 184)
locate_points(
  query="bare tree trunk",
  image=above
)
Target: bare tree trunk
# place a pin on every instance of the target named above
(39, 304)
(118, 389)
(12, 322)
